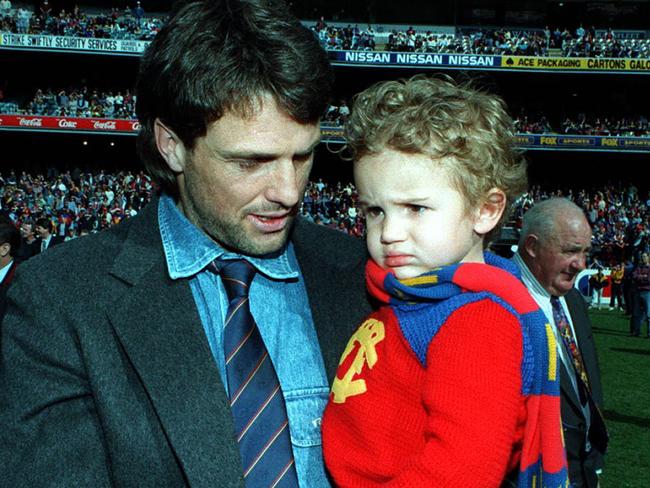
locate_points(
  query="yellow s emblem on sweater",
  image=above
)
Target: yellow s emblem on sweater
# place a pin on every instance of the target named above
(367, 337)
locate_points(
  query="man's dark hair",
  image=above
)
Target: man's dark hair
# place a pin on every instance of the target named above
(215, 56)
(9, 234)
(45, 223)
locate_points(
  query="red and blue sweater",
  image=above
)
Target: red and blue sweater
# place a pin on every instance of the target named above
(453, 383)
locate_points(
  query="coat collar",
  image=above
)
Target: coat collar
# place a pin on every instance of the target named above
(582, 337)
(326, 271)
(158, 325)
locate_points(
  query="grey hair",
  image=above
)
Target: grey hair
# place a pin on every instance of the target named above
(541, 219)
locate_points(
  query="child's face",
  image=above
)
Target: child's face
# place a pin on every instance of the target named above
(416, 220)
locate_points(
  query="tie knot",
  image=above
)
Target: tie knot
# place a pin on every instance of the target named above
(236, 276)
(555, 301)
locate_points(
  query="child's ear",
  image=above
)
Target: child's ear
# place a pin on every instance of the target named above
(490, 211)
(170, 147)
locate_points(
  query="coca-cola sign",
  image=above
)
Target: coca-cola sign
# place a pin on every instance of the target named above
(30, 122)
(67, 124)
(135, 125)
(104, 125)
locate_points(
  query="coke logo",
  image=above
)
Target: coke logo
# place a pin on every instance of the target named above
(135, 125)
(109, 124)
(67, 124)
(23, 122)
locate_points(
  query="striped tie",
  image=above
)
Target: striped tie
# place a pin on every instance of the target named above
(256, 400)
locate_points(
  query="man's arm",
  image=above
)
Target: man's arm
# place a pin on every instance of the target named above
(50, 434)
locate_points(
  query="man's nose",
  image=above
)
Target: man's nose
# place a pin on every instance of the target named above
(580, 262)
(286, 186)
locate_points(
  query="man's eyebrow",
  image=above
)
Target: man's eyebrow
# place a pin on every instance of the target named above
(261, 156)
(576, 247)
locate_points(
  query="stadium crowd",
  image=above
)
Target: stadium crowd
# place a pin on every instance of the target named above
(489, 42)
(499, 41)
(120, 104)
(75, 102)
(582, 124)
(74, 202)
(348, 38)
(56, 207)
(619, 216)
(77, 202)
(132, 23)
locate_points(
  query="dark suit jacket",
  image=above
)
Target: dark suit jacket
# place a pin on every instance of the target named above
(26, 251)
(4, 286)
(106, 375)
(582, 466)
(54, 241)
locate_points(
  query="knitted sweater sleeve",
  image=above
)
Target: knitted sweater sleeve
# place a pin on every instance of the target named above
(473, 401)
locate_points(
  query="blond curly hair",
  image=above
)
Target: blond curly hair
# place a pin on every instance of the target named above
(464, 128)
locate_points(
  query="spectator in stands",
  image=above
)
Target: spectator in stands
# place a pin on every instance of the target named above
(22, 20)
(9, 244)
(43, 229)
(29, 245)
(616, 278)
(5, 7)
(597, 282)
(230, 94)
(628, 286)
(641, 299)
(45, 11)
(138, 12)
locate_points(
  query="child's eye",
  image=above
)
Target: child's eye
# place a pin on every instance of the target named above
(416, 208)
(373, 212)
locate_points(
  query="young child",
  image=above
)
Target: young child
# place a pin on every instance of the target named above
(453, 381)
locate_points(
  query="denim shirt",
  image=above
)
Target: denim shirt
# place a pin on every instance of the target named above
(279, 304)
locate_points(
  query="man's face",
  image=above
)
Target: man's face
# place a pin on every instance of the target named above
(244, 180)
(557, 261)
(41, 231)
(27, 231)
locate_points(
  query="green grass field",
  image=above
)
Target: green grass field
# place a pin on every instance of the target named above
(625, 368)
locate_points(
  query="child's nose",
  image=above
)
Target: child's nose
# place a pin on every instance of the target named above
(393, 230)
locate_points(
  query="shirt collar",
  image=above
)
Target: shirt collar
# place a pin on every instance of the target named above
(529, 278)
(188, 250)
(4, 271)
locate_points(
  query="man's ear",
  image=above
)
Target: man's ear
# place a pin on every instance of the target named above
(169, 146)
(5, 249)
(490, 211)
(530, 245)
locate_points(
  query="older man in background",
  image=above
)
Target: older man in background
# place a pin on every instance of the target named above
(553, 248)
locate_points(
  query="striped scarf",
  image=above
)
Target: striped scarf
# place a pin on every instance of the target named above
(543, 460)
